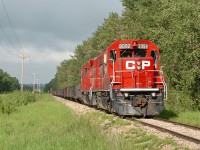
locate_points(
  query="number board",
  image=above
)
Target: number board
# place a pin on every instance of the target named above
(124, 46)
(142, 46)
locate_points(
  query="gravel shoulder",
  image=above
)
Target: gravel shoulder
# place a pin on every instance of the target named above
(81, 109)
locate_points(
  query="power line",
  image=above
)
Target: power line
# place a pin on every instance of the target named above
(22, 56)
(11, 43)
(11, 24)
(6, 49)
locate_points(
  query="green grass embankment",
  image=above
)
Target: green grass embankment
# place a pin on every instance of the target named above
(183, 116)
(48, 124)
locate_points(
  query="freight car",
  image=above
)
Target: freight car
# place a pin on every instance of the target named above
(126, 79)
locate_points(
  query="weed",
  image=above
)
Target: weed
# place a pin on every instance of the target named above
(9, 102)
(182, 116)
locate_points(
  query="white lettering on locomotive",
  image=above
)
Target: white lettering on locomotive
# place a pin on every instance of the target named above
(131, 64)
(142, 46)
(145, 64)
(124, 46)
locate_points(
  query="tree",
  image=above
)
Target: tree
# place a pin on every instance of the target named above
(172, 25)
(7, 83)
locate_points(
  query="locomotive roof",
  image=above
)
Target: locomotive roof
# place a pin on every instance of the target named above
(116, 43)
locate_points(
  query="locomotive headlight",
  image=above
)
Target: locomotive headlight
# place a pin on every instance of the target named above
(126, 94)
(139, 67)
(153, 94)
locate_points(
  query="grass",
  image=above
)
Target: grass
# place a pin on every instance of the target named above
(136, 138)
(11, 101)
(48, 124)
(182, 116)
(113, 121)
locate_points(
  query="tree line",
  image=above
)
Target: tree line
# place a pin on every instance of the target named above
(172, 25)
(7, 83)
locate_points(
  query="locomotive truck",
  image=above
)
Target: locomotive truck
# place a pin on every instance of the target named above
(126, 79)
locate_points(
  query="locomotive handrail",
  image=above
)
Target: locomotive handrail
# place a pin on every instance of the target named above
(125, 71)
(139, 72)
(162, 79)
(113, 62)
(160, 76)
(165, 84)
(139, 89)
(91, 88)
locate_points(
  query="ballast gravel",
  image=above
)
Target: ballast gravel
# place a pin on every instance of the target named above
(177, 128)
(81, 109)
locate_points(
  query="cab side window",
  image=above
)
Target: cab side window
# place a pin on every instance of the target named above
(85, 71)
(113, 55)
(154, 54)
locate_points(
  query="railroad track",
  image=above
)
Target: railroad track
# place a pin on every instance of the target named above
(177, 123)
(183, 131)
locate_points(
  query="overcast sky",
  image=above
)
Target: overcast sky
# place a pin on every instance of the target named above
(48, 32)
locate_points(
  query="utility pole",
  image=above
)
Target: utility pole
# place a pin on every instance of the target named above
(22, 76)
(34, 82)
(37, 85)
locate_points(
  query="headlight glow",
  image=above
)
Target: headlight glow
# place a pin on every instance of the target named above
(153, 94)
(126, 94)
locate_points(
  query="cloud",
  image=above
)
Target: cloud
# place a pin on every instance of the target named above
(47, 56)
(48, 31)
(71, 20)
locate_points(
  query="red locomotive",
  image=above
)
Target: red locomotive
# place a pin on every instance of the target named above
(126, 78)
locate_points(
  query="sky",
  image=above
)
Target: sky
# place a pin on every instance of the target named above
(47, 32)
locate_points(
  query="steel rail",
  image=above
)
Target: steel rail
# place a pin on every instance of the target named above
(162, 129)
(178, 123)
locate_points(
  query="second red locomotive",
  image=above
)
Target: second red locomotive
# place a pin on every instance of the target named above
(126, 78)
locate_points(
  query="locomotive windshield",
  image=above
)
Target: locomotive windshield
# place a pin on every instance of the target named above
(140, 53)
(131, 53)
(126, 53)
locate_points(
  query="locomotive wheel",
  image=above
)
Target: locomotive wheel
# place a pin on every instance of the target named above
(110, 109)
(98, 107)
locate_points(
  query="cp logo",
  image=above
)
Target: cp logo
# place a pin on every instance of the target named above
(131, 64)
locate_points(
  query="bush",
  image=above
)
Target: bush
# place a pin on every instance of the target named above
(7, 105)
(9, 102)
